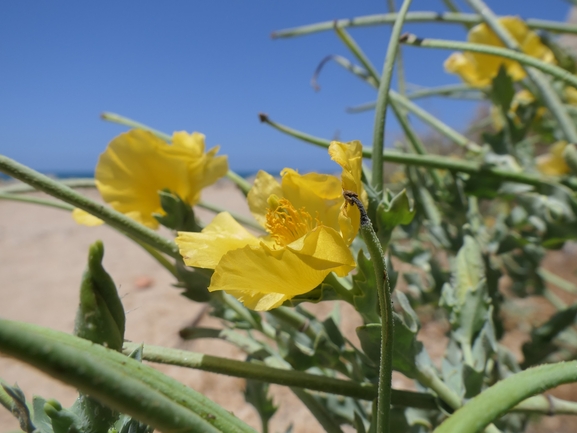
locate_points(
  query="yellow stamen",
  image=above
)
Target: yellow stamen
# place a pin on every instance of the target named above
(285, 223)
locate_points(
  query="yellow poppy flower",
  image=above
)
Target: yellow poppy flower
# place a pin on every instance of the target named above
(137, 165)
(553, 163)
(479, 69)
(309, 225)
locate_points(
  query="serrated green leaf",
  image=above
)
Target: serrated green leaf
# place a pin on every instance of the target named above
(19, 407)
(365, 294)
(469, 269)
(256, 394)
(396, 211)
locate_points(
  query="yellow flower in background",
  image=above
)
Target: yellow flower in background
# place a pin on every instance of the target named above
(309, 225)
(479, 69)
(553, 163)
(137, 165)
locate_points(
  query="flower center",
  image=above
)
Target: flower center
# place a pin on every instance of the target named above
(285, 223)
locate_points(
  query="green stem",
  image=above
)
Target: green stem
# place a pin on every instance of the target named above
(386, 309)
(240, 218)
(430, 379)
(433, 161)
(116, 380)
(548, 94)
(522, 58)
(547, 405)
(383, 99)
(162, 261)
(68, 195)
(72, 183)
(243, 185)
(453, 90)
(433, 122)
(36, 200)
(506, 394)
(416, 17)
(352, 45)
(295, 320)
(556, 280)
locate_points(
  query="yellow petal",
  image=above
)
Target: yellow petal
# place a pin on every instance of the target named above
(263, 279)
(137, 164)
(553, 163)
(205, 249)
(324, 249)
(320, 195)
(263, 187)
(86, 219)
(479, 69)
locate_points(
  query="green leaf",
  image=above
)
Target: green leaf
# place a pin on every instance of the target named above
(541, 344)
(194, 281)
(179, 215)
(42, 421)
(469, 269)
(502, 90)
(63, 420)
(19, 407)
(397, 211)
(100, 315)
(364, 286)
(256, 393)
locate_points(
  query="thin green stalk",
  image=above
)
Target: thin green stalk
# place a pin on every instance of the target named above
(36, 200)
(549, 96)
(401, 81)
(414, 139)
(416, 17)
(547, 405)
(296, 320)
(352, 45)
(500, 398)
(555, 300)
(159, 257)
(72, 183)
(453, 90)
(522, 58)
(386, 309)
(68, 195)
(247, 221)
(435, 123)
(433, 161)
(243, 185)
(257, 371)
(556, 280)
(383, 99)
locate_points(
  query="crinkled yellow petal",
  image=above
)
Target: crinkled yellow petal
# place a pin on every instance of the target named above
(262, 279)
(324, 249)
(205, 249)
(86, 219)
(137, 164)
(350, 157)
(320, 194)
(263, 187)
(465, 67)
(479, 69)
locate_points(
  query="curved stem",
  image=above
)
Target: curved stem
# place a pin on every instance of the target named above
(383, 99)
(415, 17)
(522, 58)
(36, 200)
(386, 309)
(433, 161)
(506, 394)
(68, 195)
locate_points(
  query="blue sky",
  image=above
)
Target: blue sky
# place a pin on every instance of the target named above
(207, 66)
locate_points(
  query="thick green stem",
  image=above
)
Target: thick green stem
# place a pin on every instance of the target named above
(506, 394)
(71, 183)
(416, 17)
(386, 309)
(433, 161)
(383, 99)
(68, 195)
(243, 185)
(116, 380)
(549, 96)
